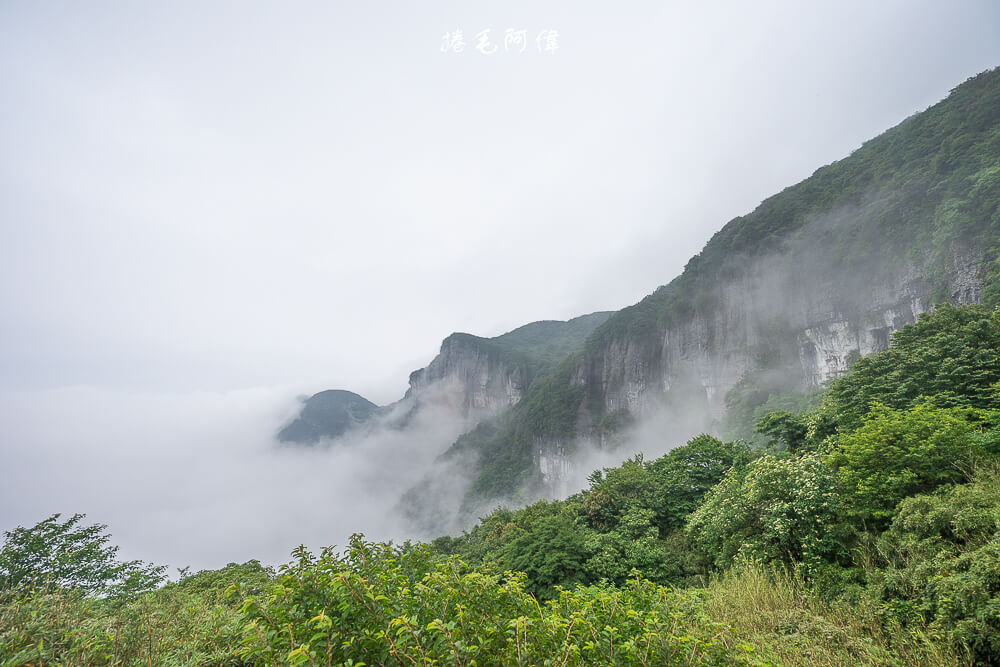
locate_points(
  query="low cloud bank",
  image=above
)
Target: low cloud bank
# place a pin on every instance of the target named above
(197, 479)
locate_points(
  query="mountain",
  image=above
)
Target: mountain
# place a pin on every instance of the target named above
(474, 377)
(483, 377)
(328, 414)
(779, 301)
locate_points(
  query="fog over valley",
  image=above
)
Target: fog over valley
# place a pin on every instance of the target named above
(198, 479)
(211, 212)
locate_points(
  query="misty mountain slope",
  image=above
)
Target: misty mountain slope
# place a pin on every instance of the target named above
(475, 377)
(779, 300)
(486, 376)
(328, 414)
(548, 342)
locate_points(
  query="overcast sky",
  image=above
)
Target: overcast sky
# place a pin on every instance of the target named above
(215, 196)
(280, 198)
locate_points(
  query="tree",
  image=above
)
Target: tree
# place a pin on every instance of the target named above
(777, 510)
(65, 554)
(784, 427)
(952, 355)
(899, 453)
(689, 472)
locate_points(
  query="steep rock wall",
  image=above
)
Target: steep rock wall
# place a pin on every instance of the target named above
(773, 307)
(475, 381)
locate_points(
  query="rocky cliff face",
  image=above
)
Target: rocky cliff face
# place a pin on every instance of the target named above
(484, 377)
(818, 274)
(814, 320)
(777, 302)
(472, 379)
(829, 337)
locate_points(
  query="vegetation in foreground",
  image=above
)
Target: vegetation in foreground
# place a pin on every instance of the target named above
(866, 532)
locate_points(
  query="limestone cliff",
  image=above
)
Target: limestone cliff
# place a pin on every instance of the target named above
(810, 318)
(484, 377)
(778, 301)
(473, 378)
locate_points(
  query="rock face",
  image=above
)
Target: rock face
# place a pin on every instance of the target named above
(818, 274)
(777, 302)
(793, 316)
(484, 377)
(472, 378)
(816, 327)
(556, 468)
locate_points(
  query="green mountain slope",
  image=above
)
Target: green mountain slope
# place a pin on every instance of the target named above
(516, 358)
(782, 298)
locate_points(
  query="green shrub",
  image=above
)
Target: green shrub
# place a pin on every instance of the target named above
(940, 564)
(898, 453)
(780, 510)
(378, 605)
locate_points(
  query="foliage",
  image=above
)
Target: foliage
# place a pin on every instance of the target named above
(898, 453)
(952, 355)
(941, 563)
(377, 605)
(629, 518)
(778, 510)
(632, 545)
(64, 554)
(688, 472)
(784, 428)
(616, 491)
(671, 486)
(250, 578)
(190, 622)
(544, 540)
(775, 608)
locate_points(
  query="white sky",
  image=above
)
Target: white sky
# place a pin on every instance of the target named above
(214, 196)
(231, 197)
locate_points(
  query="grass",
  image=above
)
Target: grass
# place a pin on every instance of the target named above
(771, 609)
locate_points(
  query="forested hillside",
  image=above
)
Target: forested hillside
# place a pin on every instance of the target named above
(779, 301)
(842, 342)
(866, 532)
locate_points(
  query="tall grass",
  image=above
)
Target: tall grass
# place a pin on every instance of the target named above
(164, 627)
(771, 608)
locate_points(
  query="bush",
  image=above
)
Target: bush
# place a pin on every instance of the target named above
(941, 565)
(378, 605)
(780, 510)
(898, 453)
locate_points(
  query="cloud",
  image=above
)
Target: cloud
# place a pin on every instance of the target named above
(197, 478)
(246, 195)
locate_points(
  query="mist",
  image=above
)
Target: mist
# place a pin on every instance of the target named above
(210, 209)
(197, 479)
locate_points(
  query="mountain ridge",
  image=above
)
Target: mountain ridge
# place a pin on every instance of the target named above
(476, 377)
(778, 301)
